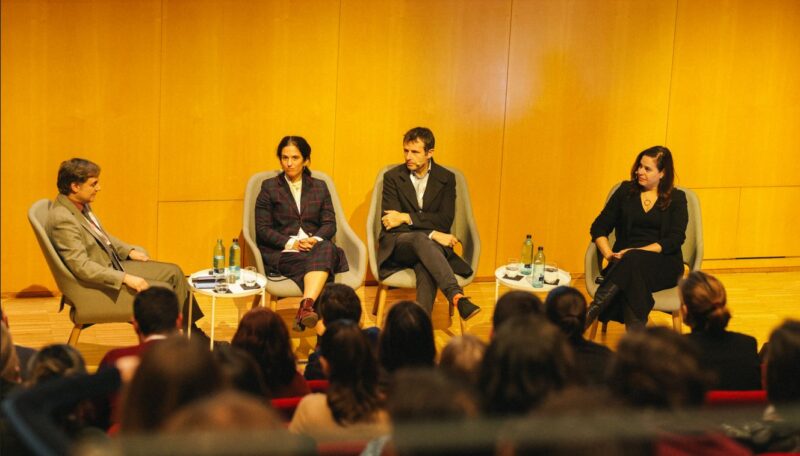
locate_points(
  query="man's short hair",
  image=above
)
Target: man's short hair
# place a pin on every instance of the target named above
(515, 304)
(156, 310)
(423, 134)
(339, 302)
(76, 170)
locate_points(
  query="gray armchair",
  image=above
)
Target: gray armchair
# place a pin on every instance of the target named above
(281, 287)
(692, 249)
(464, 228)
(89, 303)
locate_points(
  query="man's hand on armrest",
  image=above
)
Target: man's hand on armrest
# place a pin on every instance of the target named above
(445, 239)
(392, 219)
(135, 282)
(137, 255)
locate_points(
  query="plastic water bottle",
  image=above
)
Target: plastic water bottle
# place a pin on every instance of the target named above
(235, 260)
(219, 257)
(526, 257)
(538, 269)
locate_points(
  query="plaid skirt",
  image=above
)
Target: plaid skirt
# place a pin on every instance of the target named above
(324, 256)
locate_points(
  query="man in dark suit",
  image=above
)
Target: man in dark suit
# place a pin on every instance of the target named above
(418, 208)
(97, 257)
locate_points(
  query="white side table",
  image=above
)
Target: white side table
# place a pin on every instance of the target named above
(564, 278)
(236, 292)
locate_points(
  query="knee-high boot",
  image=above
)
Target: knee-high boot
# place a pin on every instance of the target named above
(602, 298)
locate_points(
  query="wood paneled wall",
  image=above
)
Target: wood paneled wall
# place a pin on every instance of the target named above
(541, 103)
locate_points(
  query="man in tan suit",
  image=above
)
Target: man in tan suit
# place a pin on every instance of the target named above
(97, 257)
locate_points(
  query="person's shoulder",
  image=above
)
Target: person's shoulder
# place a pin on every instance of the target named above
(396, 170)
(441, 171)
(678, 195)
(742, 338)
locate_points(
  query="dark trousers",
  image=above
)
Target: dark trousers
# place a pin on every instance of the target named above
(167, 275)
(638, 275)
(429, 261)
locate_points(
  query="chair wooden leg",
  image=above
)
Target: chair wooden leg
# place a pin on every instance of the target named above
(593, 330)
(73, 336)
(676, 321)
(383, 290)
(605, 328)
(461, 323)
(273, 303)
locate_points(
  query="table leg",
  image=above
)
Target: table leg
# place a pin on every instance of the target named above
(189, 330)
(264, 297)
(213, 315)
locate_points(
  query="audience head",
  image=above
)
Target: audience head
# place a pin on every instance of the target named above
(659, 368)
(301, 144)
(407, 338)
(527, 359)
(462, 357)
(349, 361)
(428, 395)
(228, 411)
(263, 334)
(663, 161)
(703, 297)
(55, 361)
(9, 363)
(240, 371)
(339, 302)
(424, 135)
(566, 308)
(171, 374)
(75, 171)
(783, 363)
(515, 304)
(156, 311)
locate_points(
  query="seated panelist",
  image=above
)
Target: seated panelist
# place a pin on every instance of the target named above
(295, 226)
(95, 256)
(649, 217)
(418, 208)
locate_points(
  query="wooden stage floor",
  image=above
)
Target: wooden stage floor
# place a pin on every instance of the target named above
(758, 301)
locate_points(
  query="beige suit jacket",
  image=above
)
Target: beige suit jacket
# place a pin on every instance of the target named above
(80, 248)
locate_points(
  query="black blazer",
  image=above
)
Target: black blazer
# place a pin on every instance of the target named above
(732, 356)
(616, 216)
(437, 213)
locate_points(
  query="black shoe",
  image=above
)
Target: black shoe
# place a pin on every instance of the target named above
(200, 335)
(467, 309)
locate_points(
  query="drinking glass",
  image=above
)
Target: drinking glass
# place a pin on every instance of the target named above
(550, 273)
(250, 276)
(512, 268)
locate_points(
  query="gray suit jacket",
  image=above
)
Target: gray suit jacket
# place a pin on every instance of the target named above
(80, 248)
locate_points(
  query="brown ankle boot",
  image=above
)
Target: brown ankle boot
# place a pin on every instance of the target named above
(306, 315)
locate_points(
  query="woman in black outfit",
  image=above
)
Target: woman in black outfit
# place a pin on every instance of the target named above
(649, 217)
(732, 356)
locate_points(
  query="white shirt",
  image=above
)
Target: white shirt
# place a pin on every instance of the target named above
(420, 184)
(297, 190)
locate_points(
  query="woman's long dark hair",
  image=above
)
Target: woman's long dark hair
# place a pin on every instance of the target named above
(566, 308)
(663, 158)
(352, 372)
(301, 144)
(407, 338)
(263, 334)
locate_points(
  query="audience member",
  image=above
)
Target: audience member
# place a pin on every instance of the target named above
(9, 382)
(352, 397)
(263, 334)
(527, 360)
(336, 302)
(732, 356)
(240, 370)
(418, 398)
(24, 354)
(55, 361)
(658, 368)
(155, 316)
(513, 305)
(406, 340)
(228, 411)
(461, 358)
(566, 308)
(171, 374)
(774, 433)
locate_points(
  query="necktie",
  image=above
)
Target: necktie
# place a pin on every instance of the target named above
(109, 247)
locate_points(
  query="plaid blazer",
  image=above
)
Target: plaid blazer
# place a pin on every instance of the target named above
(277, 218)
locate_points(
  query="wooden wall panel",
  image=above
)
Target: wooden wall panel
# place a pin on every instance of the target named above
(768, 222)
(188, 231)
(735, 97)
(720, 210)
(238, 76)
(588, 88)
(417, 63)
(63, 95)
